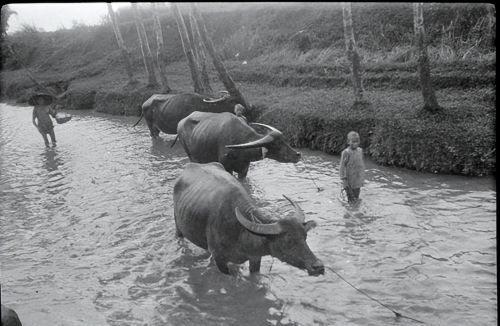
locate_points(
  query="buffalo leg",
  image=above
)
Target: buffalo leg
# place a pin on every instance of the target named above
(221, 263)
(227, 168)
(243, 173)
(255, 264)
(178, 232)
(154, 131)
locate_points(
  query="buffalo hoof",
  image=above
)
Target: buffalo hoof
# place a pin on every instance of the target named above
(222, 265)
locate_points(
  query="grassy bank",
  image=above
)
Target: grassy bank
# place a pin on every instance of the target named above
(460, 140)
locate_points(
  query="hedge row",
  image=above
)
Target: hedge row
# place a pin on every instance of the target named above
(435, 146)
(430, 143)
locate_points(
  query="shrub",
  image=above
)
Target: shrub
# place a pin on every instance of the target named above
(322, 129)
(428, 144)
(118, 103)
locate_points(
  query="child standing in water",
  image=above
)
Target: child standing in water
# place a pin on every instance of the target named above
(41, 116)
(352, 168)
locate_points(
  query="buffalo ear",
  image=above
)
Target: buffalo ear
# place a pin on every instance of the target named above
(309, 225)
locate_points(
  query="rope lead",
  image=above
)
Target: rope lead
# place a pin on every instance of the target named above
(398, 315)
(309, 174)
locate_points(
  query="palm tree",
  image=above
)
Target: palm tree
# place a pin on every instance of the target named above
(201, 56)
(6, 49)
(145, 49)
(491, 24)
(160, 49)
(424, 70)
(121, 44)
(6, 12)
(352, 52)
(181, 26)
(219, 66)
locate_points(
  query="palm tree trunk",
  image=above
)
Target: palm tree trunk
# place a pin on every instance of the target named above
(491, 24)
(219, 66)
(121, 44)
(201, 56)
(195, 76)
(160, 50)
(352, 52)
(145, 49)
(190, 35)
(424, 71)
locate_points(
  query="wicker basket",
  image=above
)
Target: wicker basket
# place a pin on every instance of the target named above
(62, 117)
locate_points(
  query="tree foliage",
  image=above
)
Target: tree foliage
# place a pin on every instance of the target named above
(6, 12)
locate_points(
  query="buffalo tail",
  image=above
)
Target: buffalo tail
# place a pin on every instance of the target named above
(135, 124)
(175, 140)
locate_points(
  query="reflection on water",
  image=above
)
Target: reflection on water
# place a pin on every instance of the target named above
(51, 161)
(88, 238)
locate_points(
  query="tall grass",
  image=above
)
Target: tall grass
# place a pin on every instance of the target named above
(293, 57)
(333, 56)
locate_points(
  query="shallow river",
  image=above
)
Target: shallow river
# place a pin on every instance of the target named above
(87, 238)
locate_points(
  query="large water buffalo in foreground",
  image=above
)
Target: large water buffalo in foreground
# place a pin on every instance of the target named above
(164, 111)
(214, 211)
(224, 138)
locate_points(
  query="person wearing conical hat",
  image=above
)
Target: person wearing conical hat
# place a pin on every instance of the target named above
(41, 116)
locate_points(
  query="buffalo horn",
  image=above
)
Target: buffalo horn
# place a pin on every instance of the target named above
(267, 229)
(269, 138)
(265, 126)
(225, 94)
(299, 213)
(213, 100)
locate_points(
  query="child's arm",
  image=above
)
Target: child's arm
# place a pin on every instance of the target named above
(342, 168)
(52, 111)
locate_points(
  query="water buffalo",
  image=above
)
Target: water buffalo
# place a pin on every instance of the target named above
(222, 137)
(214, 211)
(9, 317)
(163, 111)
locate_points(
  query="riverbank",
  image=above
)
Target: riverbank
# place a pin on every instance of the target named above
(460, 140)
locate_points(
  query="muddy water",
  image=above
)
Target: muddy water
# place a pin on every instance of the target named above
(87, 238)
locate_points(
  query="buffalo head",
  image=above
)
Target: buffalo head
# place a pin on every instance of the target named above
(287, 239)
(274, 143)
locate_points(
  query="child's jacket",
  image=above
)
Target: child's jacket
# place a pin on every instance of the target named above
(352, 167)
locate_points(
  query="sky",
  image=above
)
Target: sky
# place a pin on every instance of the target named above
(54, 16)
